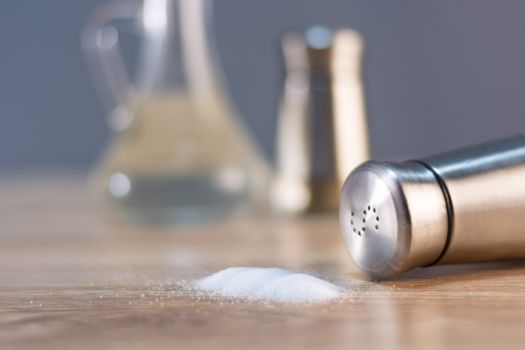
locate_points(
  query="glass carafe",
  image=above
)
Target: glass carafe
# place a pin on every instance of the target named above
(179, 153)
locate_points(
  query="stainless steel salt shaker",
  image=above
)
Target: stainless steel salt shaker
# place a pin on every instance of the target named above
(322, 131)
(464, 206)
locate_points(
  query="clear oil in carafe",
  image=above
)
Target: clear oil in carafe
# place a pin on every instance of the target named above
(180, 163)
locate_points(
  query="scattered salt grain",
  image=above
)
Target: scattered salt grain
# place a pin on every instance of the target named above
(272, 284)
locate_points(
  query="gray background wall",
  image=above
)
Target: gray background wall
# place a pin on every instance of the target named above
(438, 74)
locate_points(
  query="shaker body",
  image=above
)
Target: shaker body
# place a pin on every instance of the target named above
(486, 189)
(321, 128)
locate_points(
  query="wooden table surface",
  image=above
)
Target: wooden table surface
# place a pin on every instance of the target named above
(72, 278)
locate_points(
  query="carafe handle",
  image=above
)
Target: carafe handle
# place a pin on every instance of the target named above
(100, 42)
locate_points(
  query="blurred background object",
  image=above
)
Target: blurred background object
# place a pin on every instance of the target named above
(321, 128)
(180, 153)
(438, 75)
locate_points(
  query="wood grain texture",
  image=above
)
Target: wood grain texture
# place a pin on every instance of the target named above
(72, 277)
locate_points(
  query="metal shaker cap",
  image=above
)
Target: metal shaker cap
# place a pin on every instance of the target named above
(393, 217)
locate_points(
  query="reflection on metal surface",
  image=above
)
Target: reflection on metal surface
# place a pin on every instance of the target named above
(321, 133)
(462, 206)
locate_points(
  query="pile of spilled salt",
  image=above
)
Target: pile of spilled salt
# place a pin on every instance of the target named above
(272, 284)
